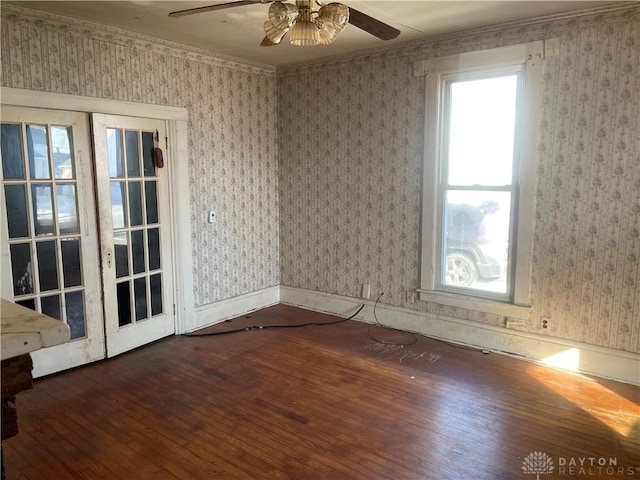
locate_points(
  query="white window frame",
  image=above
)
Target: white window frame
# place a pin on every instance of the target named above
(527, 57)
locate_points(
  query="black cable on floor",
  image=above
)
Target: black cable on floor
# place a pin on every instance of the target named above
(413, 340)
(264, 327)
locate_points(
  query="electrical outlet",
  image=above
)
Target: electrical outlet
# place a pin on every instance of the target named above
(545, 323)
(212, 216)
(366, 291)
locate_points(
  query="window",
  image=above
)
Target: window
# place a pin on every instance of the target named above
(479, 177)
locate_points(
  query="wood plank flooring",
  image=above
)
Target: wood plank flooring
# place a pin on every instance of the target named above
(321, 402)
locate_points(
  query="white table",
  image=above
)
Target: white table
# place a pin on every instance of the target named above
(24, 330)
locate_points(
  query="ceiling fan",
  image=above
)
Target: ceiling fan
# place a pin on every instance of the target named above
(307, 26)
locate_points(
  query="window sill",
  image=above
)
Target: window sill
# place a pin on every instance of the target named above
(473, 303)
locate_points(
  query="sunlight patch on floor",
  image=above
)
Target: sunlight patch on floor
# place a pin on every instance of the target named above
(615, 411)
(567, 360)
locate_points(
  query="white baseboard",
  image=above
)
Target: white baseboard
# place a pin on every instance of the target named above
(556, 352)
(217, 312)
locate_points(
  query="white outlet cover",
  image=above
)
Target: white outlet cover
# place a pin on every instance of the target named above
(212, 216)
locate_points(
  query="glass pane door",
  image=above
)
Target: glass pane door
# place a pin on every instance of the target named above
(136, 231)
(134, 219)
(50, 253)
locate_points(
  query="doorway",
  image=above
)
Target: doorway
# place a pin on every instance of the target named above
(86, 235)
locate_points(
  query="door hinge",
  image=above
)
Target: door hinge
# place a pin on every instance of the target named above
(174, 308)
(166, 143)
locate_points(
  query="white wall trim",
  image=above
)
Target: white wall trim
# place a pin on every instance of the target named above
(589, 359)
(77, 103)
(177, 131)
(217, 312)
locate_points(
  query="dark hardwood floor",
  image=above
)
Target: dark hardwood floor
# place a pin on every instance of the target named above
(321, 402)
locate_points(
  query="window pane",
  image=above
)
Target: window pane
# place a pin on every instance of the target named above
(114, 152)
(62, 160)
(21, 269)
(137, 246)
(151, 201)
(155, 282)
(476, 240)
(75, 314)
(47, 265)
(51, 306)
(147, 154)
(11, 149)
(481, 131)
(140, 295)
(121, 246)
(16, 202)
(38, 151)
(133, 153)
(118, 202)
(29, 303)
(67, 211)
(124, 303)
(71, 266)
(135, 203)
(42, 209)
(154, 248)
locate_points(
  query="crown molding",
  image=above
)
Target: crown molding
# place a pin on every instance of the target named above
(117, 36)
(491, 36)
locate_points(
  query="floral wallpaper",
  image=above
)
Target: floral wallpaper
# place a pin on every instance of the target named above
(587, 243)
(334, 202)
(232, 130)
(350, 175)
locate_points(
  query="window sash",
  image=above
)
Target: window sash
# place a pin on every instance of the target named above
(444, 127)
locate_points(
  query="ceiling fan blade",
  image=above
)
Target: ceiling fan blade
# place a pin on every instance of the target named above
(371, 25)
(267, 43)
(220, 6)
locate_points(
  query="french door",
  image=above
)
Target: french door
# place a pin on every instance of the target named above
(134, 223)
(84, 241)
(50, 251)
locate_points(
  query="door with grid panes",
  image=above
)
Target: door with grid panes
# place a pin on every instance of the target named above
(50, 245)
(135, 236)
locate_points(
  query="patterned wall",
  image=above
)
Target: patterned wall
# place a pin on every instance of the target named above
(232, 130)
(350, 167)
(336, 202)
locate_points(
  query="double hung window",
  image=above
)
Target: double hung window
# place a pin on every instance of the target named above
(478, 191)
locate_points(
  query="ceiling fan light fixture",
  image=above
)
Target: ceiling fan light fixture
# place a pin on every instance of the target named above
(305, 34)
(331, 20)
(282, 15)
(273, 33)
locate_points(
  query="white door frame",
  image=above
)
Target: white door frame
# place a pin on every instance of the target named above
(177, 164)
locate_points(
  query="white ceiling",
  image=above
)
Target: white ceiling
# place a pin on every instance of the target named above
(238, 31)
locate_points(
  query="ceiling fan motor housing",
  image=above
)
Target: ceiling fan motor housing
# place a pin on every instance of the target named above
(307, 26)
